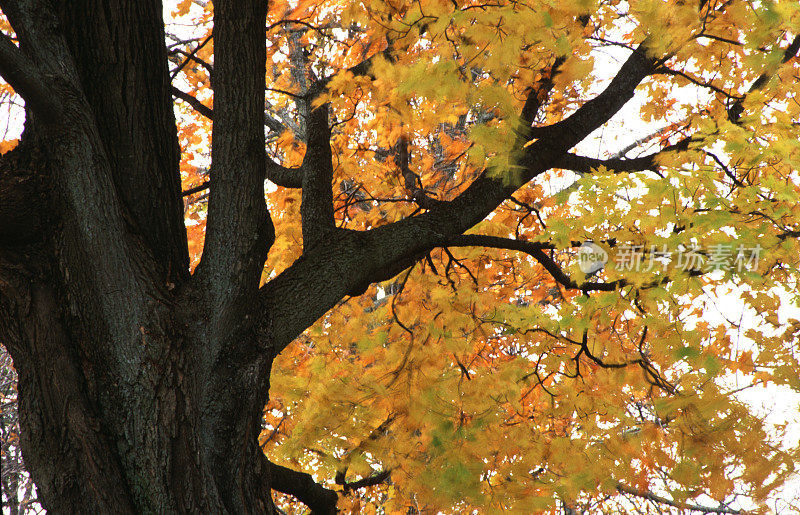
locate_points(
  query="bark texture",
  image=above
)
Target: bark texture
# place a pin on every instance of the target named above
(129, 401)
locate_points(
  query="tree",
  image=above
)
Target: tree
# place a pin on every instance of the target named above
(405, 294)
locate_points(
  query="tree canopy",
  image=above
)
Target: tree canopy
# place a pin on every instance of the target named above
(389, 208)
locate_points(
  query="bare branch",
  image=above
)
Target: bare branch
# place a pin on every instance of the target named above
(675, 504)
(196, 189)
(194, 102)
(697, 82)
(641, 141)
(193, 56)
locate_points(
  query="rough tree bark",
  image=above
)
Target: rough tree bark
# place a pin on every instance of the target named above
(141, 387)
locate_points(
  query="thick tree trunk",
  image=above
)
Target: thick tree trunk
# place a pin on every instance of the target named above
(123, 406)
(141, 388)
(177, 444)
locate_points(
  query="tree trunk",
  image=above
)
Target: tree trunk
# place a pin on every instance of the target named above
(170, 441)
(141, 389)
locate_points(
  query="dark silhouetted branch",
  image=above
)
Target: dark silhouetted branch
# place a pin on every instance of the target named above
(194, 102)
(302, 486)
(737, 108)
(22, 74)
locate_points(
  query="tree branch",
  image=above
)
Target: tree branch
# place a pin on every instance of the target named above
(22, 74)
(239, 230)
(359, 69)
(283, 176)
(675, 504)
(535, 250)
(270, 121)
(492, 187)
(317, 202)
(597, 111)
(274, 124)
(413, 184)
(348, 263)
(497, 242)
(736, 110)
(538, 93)
(280, 175)
(583, 164)
(708, 85)
(372, 480)
(194, 102)
(196, 189)
(316, 209)
(193, 56)
(319, 499)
